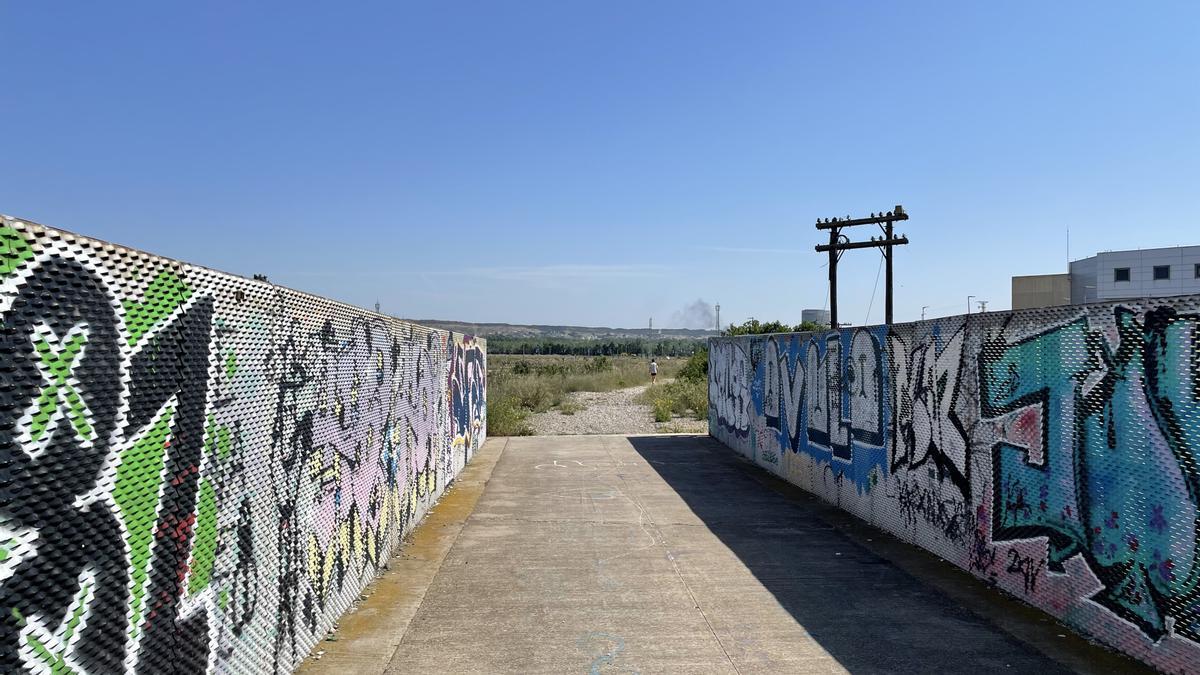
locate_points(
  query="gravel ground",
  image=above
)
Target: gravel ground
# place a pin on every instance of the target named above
(611, 412)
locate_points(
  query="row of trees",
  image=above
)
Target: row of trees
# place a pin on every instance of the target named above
(756, 327)
(696, 368)
(498, 344)
(581, 347)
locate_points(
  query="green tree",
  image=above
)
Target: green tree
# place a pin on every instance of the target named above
(696, 368)
(811, 326)
(756, 327)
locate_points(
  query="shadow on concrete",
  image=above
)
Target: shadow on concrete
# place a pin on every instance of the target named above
(867, 613)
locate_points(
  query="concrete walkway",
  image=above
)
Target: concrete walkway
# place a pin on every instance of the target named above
(656, 554)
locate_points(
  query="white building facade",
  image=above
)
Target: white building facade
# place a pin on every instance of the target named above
(1147, 273)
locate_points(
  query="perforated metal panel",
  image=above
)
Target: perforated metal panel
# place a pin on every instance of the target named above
(199, 472)
(1053, 451)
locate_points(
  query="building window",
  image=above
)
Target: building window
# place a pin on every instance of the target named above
(1121, 274)
(1162, 272)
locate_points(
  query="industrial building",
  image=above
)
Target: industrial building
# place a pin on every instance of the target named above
(1041, 290)
(820, 316)
(1113, 275)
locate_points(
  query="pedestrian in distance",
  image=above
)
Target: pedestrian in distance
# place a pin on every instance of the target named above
(653, 371)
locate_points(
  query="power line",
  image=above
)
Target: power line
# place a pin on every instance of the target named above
(867, 321)
(839, 243)
(825, 305)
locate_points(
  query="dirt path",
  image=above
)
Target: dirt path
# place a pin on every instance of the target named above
(610, 412)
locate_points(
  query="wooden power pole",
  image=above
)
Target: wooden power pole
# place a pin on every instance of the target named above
(839, 242)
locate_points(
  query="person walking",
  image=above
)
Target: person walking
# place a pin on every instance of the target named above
(653, 371)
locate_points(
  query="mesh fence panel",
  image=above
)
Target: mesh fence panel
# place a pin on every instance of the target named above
(1052, 452)
(200, 472)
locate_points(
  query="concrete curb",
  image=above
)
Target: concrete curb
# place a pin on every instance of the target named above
(364, 643)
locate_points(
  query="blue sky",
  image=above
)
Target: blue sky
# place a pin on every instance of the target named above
(601, 163)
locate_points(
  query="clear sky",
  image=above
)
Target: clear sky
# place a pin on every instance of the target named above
(600, 163)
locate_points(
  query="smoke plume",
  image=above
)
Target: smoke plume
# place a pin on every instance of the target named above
(698, 314)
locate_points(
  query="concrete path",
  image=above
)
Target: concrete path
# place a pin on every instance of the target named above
(656, 554)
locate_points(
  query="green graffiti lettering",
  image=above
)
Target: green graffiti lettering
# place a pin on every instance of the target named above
(57, 661)
(205, 549)
(136, 494)
(14, 250)
(56, 359)
(164, 295)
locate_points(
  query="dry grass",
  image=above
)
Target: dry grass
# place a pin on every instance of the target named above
(680, 397)
(519, 385)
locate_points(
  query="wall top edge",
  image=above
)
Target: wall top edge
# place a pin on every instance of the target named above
(120, 249)
(1182, 298)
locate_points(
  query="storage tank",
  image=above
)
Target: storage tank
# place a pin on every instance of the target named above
(820, 316)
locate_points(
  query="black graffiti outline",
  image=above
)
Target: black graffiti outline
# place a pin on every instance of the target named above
(840, 374)
(468, 389)
(917, 503)
(1027, 567)
(825, 372)
(854, 376)
(81, 533)
(903, 442)
(300, 359)
(785, 381)
(721, 370)
(1115, 579)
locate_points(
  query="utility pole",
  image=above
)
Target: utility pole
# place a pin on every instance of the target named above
(376, 306)
(651, 324)
(982, 305)
(969, 298)
(839, 242)
(718, 317)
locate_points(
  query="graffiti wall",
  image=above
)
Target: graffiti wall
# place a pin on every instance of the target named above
(1053, 453)
(199, 472)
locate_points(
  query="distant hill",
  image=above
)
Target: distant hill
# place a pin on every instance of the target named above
(509, 330)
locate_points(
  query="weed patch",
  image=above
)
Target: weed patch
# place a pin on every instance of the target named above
(520, 385)
(505, 418)
(680, 397)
